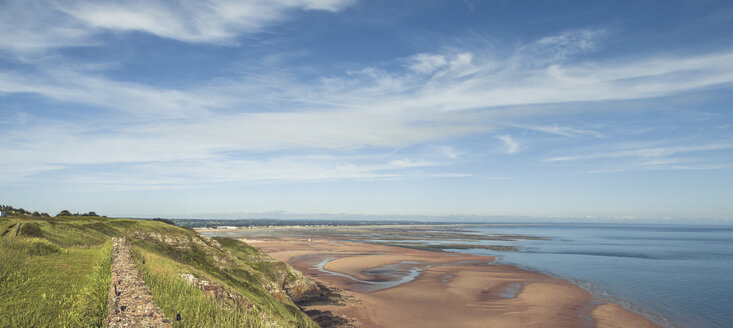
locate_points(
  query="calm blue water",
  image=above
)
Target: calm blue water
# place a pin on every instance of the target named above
(678, 275)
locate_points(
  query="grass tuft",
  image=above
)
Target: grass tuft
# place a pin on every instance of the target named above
(90, 307)
(41, 283)
(174, 296)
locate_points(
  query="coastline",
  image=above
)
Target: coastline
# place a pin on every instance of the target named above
(464, 289)
(606, 296)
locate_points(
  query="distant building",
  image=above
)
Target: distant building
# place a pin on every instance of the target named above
(2, 214)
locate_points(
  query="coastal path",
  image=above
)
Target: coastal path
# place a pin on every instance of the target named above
(130, 303)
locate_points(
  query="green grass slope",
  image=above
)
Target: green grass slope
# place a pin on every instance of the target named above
(55, 273)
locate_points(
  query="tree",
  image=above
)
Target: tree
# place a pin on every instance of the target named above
(35, 213)
(64, 213)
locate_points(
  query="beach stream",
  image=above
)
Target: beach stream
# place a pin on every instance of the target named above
(387, 276)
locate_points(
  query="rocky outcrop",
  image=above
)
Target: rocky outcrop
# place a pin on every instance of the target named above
(216, 291)
(178, 241)
(211, 247)
(130, 303)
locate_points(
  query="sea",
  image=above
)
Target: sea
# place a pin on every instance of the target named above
(677, 275)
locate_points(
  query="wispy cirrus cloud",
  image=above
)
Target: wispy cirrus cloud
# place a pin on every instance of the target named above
(239, 148)
(555, 129)
(456, 81)
(645, 152)
(80, 87)
(74, 22)
(193, 21)
(511, 145)
(562, 45)
(433, 97)
(195, 173)
(45, 28)
(662, 156)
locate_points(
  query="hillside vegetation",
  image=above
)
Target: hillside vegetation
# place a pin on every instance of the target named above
(55, 272)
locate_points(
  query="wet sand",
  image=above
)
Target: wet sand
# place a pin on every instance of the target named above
(391, 286)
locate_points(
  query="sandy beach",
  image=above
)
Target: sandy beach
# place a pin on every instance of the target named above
(387, 286)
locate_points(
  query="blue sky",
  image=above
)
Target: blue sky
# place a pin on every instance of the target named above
(503, 109)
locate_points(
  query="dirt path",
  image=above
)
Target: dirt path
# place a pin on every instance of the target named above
(130, 303)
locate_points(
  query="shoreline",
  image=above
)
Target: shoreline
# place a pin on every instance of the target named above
(464, 289)
(602, 295)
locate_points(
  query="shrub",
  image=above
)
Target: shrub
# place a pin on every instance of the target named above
(31, 230)
(165, 221)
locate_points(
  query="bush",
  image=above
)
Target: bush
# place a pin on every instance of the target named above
(31, 230)
(165, 221)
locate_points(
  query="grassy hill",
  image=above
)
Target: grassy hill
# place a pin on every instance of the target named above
(55, 272)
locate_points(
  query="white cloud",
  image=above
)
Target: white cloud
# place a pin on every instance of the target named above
(451, 175)
(88, 89)
(645, 152)
(39, 25)
(286, 168)
(564, 131)
(239, 148)
(35, 26)
(462, 61)
(512, 146)
(427, 63)
(467, 81)
(651, 156)
(140, 165)
(447, 95)
(567, 43)
(450, 152)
